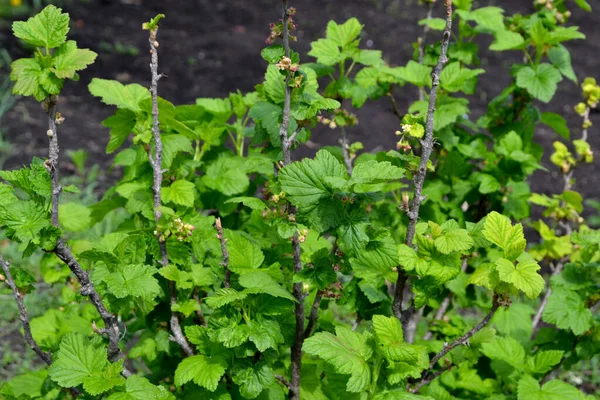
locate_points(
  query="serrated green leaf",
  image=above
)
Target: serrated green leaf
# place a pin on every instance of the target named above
(561, 58)
(567, 310)
(275, 84)
(253, 380)
(541, 82)
(529, 389)
(390, 341)
(345, 33)
(260, 282)
(524, 276)
(454, 240)
(506, 40)
(180, 192)
(415, 73)
(68, 59)
(454, 77)
(121, 124)
(376, 171)
(244, 255)
(437, 24)
(253, 203)
(203, 370)
(116, 94)
(225, 175)
(46, 29)
(557, 123)
(186, 307)
(347, 351)
(173, 145)
(498, 230)
(28, 75)
(273, 54)
(24, 220)
(543, 361)
(135, 280)
(138, 388)
(76, 360)
(224, 296)
(265, 334)
(505, 349)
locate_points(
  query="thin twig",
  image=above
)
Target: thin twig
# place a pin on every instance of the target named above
(464, 339)
(430, 377)
(199, 313)
(394, 104)
(346, 150)
(296, 354)
(156, 162)
(419, 178)
(314, 315)
(225, 262)
(111, 326)
(47, 357)
(283, 381)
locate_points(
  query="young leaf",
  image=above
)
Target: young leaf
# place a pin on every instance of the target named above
(567, 310)
(347, 351)
(390, 341)
(343, 34)
(375, 171)
(28, 74)
(133, 280)
(454, 240)
(261, 282)
(541, 82)
(116, 94)
(47, 29)
(506, 349)
(557, 123)
(138, 388)
(529, 389)
(561, 59)
(543, 361)
(524, 276)
(68, 59)
(180, 192)
(203, 370)
(74, 217)
(244, 255)
(80, 362)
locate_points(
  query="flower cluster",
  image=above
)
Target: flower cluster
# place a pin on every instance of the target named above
(286, 65)
(277, 29)
(560, 16)
(177, 227)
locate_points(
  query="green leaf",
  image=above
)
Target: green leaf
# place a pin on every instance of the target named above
(226, 175)
(172, 145)
(556, 122)
(28, 73)
(326, 51)
(180, 192)
(121, 124)
(454, 77)
(498, 230)
(390, 340)
(529, 389)
(265, 334)
(203, 370)
(584, 5)
(347, 351)
(415, 73)
(253, 380)
(376, 171)
(454, 240)
(80, 362)
(506, 40)
(135, 280)
(138, 388)
(186, 307)
(567, 310)
(561, 58)
(541, 82)
(224, 296)
(275, 84)
(304, 181)
(74, 217)
(543, 361)
(273, 54)
(524, 276)
(488, 184)
(253, 203)
(506, 349)
(260, 282)
(116, 94)
(68, 59)
(345, 33)
(244, 255)
(437, 24)
(24, 220)
(46, 29)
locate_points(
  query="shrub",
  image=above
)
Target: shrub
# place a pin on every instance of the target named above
(237, 273)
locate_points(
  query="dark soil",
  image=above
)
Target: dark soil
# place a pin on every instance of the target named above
(210, 48)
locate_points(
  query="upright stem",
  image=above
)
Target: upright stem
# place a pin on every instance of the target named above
(156, 162)
(419, 178)
(286, 143)
(47, 357)
(346, 151)
(111, 326)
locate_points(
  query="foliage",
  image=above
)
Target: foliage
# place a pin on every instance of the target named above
(199, 253)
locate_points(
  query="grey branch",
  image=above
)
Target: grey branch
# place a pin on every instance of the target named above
(156, 162)
(419, 177)
(47, 357)
(430, 377)
(346, 150)
(225, 262)
(286, 143)
(64, 253)
(464, 339)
